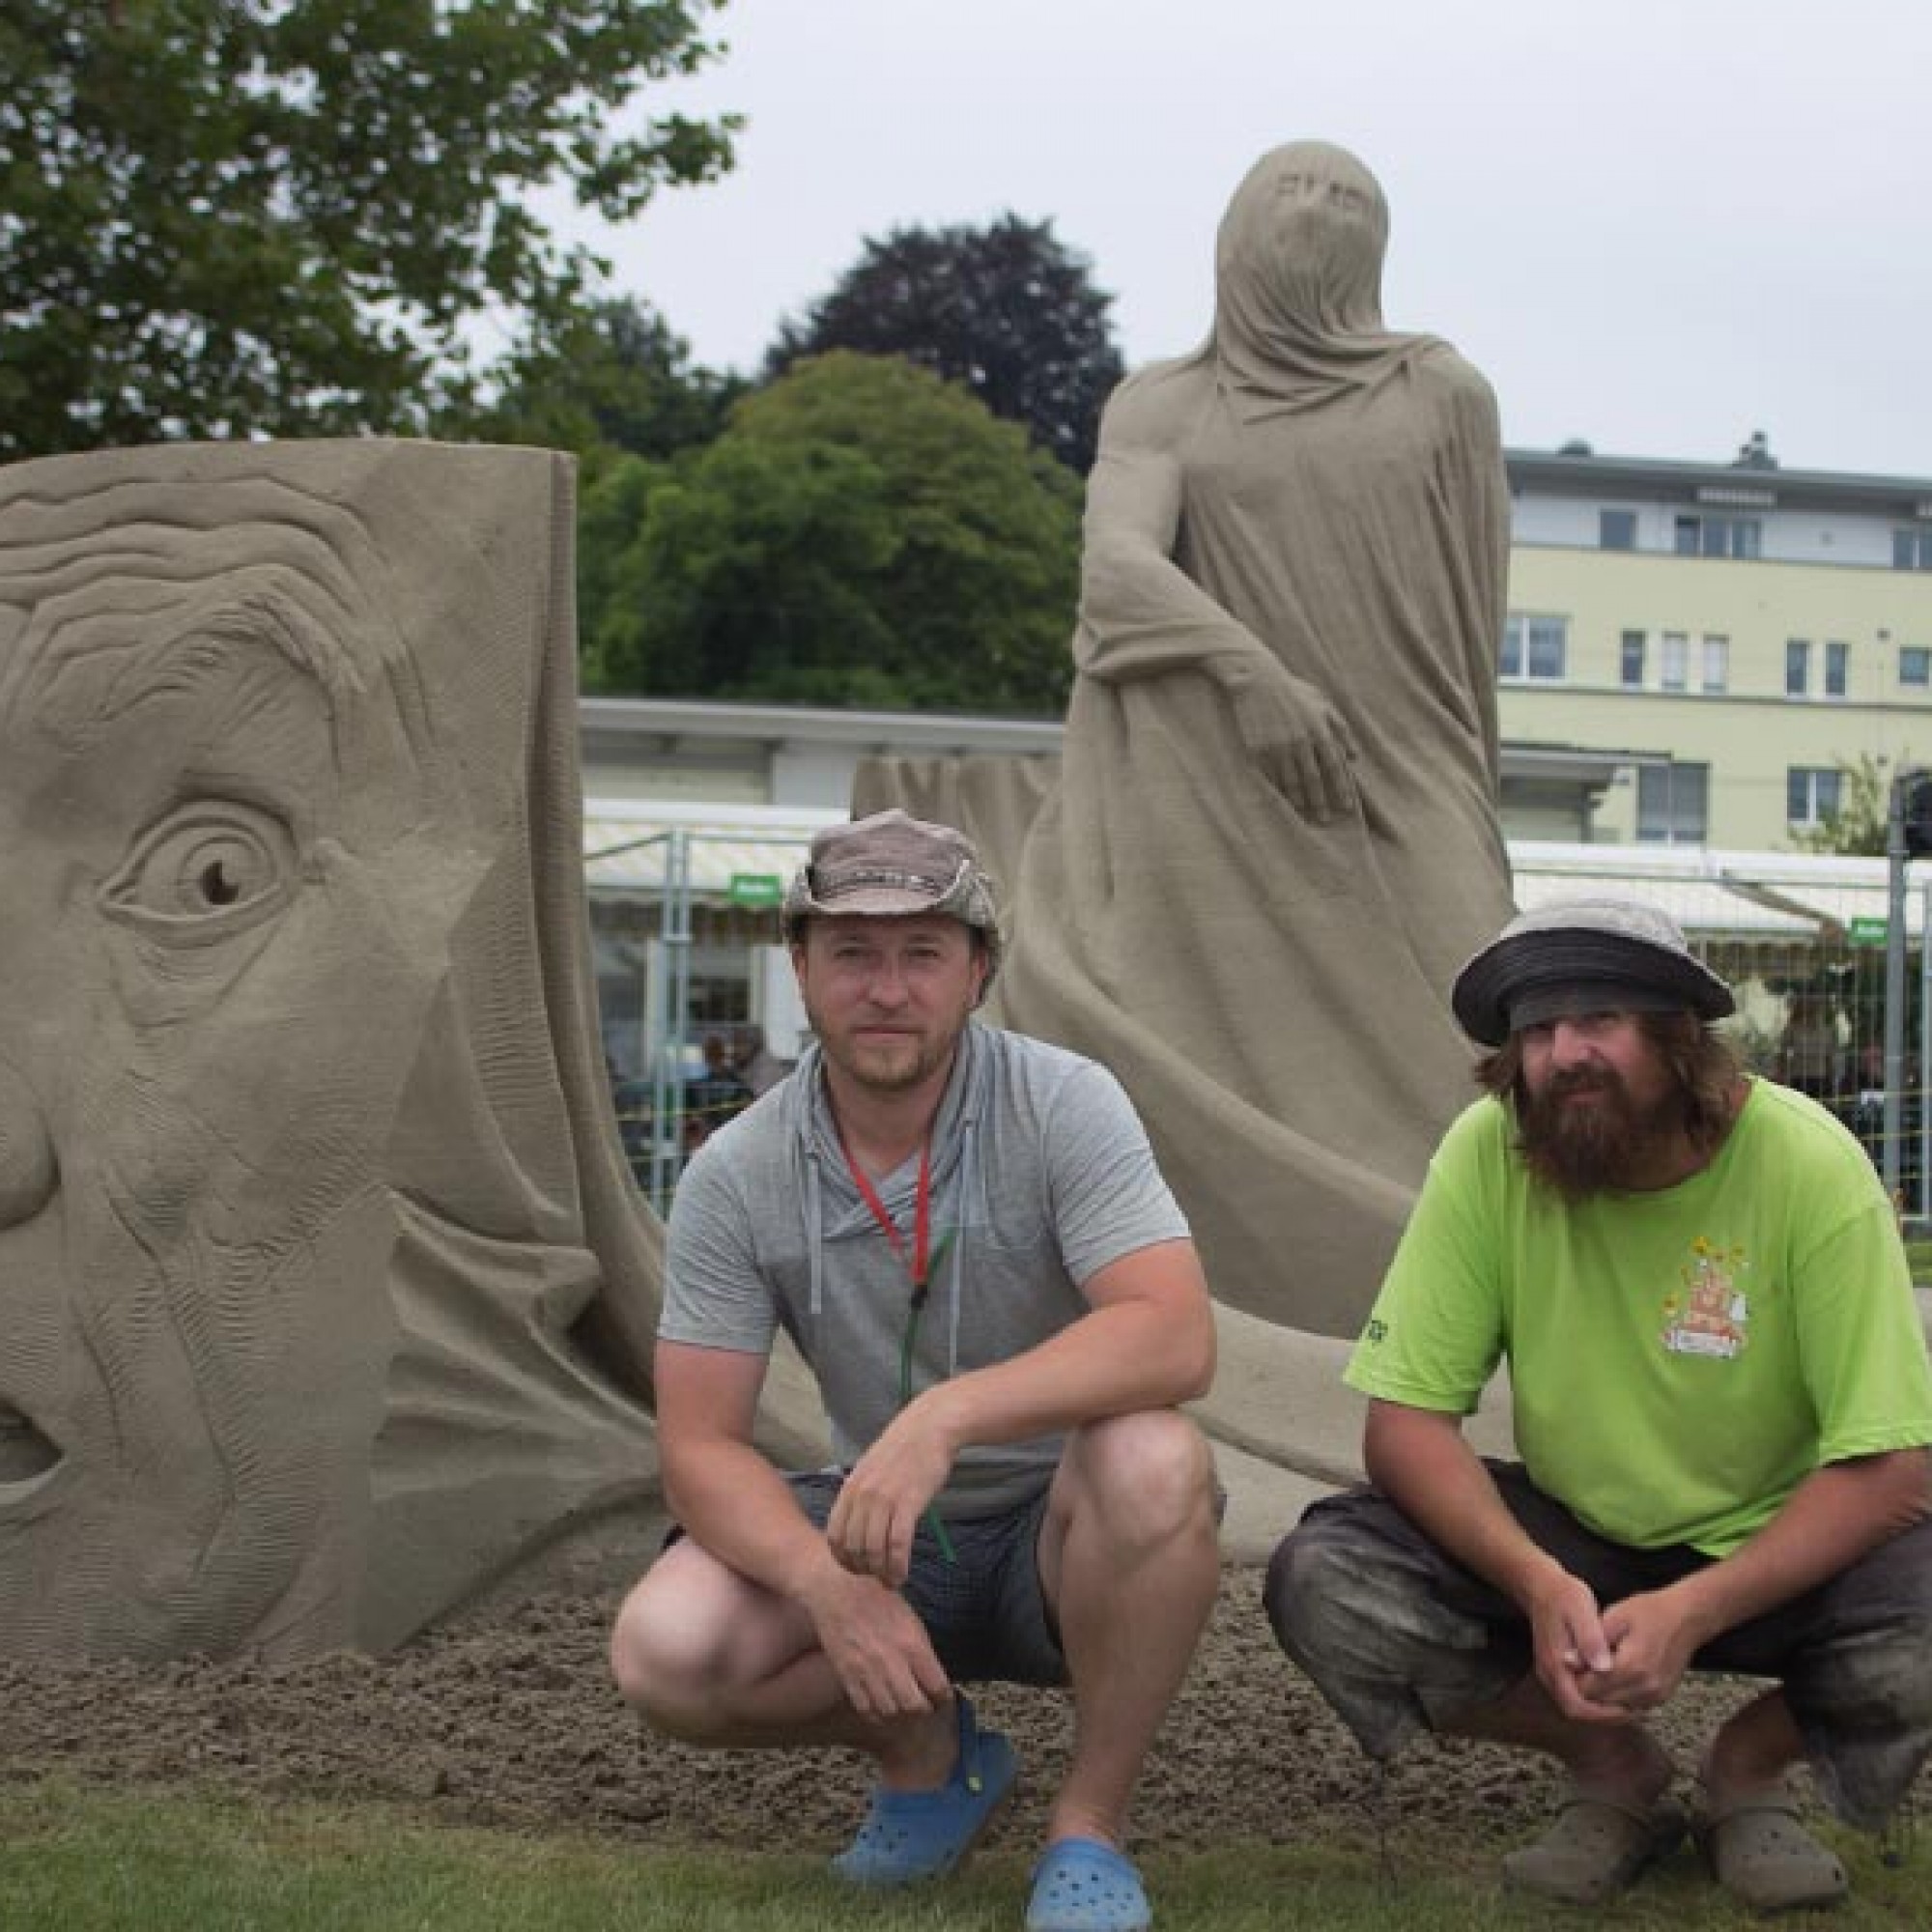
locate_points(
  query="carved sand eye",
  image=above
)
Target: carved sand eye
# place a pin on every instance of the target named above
(215, 864)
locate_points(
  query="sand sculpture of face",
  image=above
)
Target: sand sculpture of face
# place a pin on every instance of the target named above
(293, 1249)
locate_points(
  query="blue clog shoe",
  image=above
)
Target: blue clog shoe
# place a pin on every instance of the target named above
(912, 1835)
(1082, 1885)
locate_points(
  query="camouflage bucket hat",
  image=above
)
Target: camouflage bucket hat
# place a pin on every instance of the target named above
(891, 865)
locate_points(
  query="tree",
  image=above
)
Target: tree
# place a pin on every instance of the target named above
(617, 376)
(1860, 826)
(1006, 310)
(225, 216)
(861, 535)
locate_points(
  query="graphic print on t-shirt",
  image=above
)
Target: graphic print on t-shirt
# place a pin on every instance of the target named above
(1708, 1314)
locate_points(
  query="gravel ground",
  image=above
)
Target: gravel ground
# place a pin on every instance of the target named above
(512, 1720)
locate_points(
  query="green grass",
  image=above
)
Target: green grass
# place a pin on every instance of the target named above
(1919, 1254)
(77, 1858)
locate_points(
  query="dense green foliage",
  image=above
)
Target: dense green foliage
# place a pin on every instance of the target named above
(1006, 309)
(616, 378)
(861, 535)
(299, 217)
(222, 217)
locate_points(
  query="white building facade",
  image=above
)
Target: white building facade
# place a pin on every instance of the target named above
(1740, 633)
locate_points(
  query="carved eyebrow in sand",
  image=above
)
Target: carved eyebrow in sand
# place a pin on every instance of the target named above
(118, 608)
(95, 668)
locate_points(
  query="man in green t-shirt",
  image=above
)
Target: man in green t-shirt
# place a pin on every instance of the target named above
(1721, 1399)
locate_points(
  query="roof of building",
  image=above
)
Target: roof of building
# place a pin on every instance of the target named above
(1753, 480)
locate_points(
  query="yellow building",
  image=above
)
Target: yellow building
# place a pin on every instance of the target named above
(1740, 631)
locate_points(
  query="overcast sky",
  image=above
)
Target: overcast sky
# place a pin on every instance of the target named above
(1657, 225)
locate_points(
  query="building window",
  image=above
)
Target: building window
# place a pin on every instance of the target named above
(1673, 804)
(1535, 647)
(1676, 660)
(1720, 536)
(1915, 666)
(1616, 529)
(1633, 660)
(1716, 664)
(1910, 549)
(1811, 794)
(1838, 670)
(1797, 666)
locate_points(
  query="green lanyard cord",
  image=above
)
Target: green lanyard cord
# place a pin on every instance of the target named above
(915, 1308)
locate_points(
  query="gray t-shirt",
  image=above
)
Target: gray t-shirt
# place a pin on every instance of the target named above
(1042, 1176)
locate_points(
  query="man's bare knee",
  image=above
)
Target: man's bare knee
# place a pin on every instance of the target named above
(692, 1636)
(1144, 1479)
(666, 1663)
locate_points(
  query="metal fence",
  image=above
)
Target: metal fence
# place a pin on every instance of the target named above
(672, 1096)
(1803, 939)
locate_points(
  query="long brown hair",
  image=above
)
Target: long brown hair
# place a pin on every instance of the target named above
(1703, 1065)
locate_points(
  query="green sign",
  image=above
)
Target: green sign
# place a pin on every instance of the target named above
(1867, 930)
(755, 888)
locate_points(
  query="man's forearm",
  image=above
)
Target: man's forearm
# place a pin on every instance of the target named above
(1113, 1361)
(1828, 1523)
(1422, 1463)
(739, 1509)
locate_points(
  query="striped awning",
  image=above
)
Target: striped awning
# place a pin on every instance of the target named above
(1722, 895)
(729, 855)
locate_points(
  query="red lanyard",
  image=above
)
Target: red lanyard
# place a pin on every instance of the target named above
(916, 1266)
(917, 1262)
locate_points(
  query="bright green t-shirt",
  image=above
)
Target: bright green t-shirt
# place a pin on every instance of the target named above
(1680, 1361)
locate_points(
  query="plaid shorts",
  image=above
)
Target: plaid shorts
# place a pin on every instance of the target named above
(1397, 1635)
(985, 1611)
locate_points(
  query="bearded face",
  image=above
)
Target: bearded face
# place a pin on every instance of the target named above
(1598, 1105)
(1585, 1134)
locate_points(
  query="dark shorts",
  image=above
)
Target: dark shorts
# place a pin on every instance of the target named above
(1397, 1635)
(985, 1610)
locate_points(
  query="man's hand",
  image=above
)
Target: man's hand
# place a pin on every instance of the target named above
(1573, 1650)
(871, 1525)
(1652, 1642)
(877, 1647)
(1297, 738)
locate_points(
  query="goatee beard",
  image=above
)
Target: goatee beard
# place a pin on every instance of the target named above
(1604, 1146)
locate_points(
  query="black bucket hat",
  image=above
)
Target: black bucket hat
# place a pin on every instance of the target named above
(1560, 957)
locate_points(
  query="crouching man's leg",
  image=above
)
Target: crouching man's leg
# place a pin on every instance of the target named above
(1130, 1563)
(1854, 1661)
(711, 1658)
(1400, 1639)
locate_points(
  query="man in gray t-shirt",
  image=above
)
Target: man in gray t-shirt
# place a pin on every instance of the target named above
(965, 1233)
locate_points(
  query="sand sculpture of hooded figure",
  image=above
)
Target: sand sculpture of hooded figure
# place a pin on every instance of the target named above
(327, 1302)
(1274, 837)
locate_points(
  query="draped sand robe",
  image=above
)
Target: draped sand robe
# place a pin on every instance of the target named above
(1275, 834)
